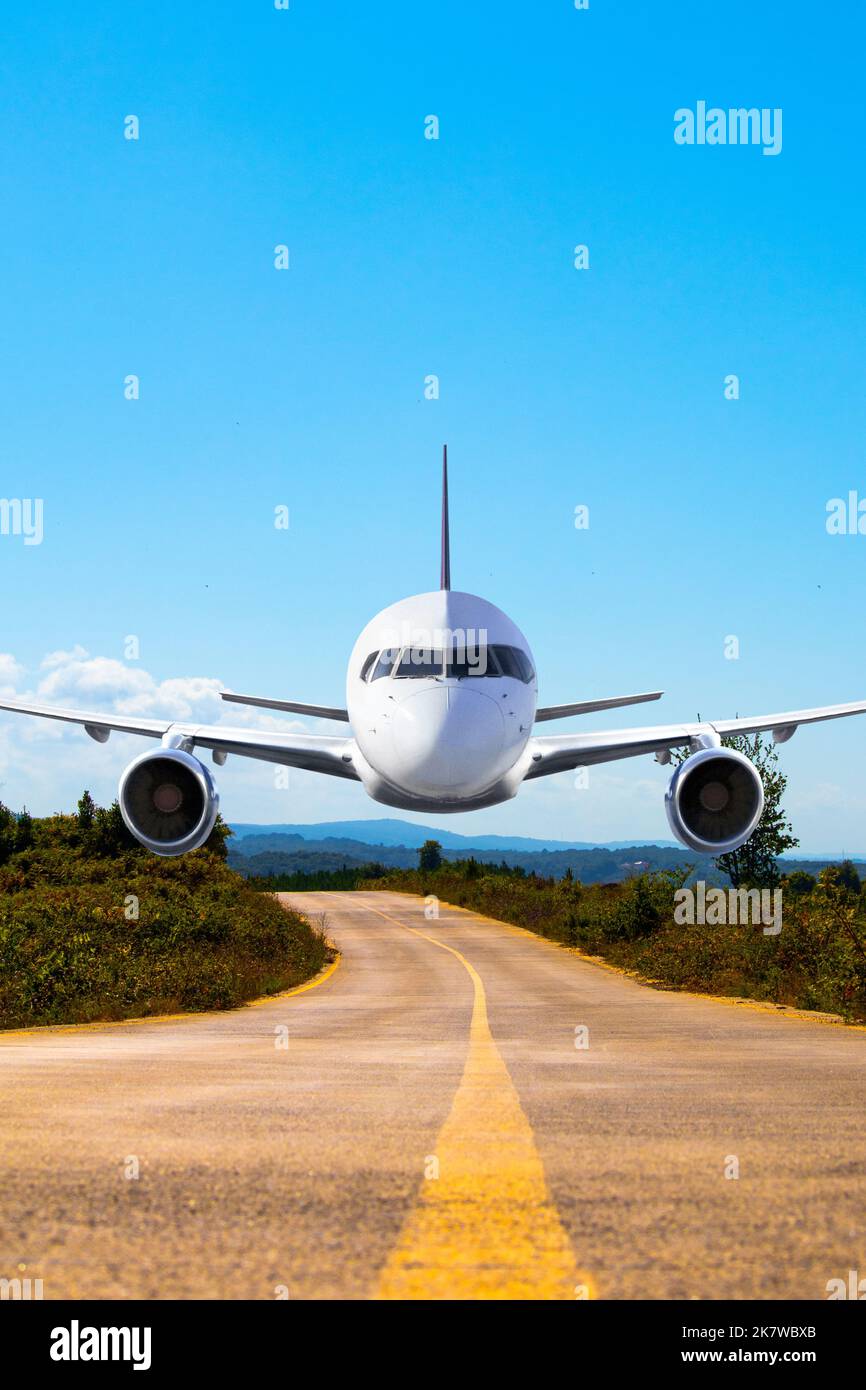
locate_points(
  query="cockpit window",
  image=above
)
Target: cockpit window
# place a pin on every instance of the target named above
(419, 662)
(384, 664)
(525, 665)
(471, 660)
(514, 663)
(462, 661)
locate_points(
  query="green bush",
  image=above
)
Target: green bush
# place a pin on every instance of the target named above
(93, 927)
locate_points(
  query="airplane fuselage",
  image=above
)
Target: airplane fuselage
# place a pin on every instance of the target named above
(441, 693)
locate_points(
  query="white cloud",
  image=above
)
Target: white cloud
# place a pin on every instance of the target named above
(62, 658)
(99, 680)
(33, 772)
(182, 698)
(11, 673)
(824, 796)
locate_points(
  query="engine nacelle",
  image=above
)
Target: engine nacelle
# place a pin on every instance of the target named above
(168, 801)
(714, 801)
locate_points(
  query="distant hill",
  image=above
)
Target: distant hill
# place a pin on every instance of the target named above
(276, 853)
(590, 866)
(391, 831)
(260, 850)
(315, 856)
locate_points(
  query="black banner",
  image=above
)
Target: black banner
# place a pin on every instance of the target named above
(82, 1339)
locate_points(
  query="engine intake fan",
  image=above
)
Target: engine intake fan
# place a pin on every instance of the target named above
(169, 801)
(714, 801)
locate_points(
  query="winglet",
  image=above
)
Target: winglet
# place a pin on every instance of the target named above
(445, 568)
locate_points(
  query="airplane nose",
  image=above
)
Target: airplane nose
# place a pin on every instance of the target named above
(448, 741)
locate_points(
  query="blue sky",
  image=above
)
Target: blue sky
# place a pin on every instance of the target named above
(305, 387)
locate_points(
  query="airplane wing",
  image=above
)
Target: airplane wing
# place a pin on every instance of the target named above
(590, 706)
(293, 706)
(562, 752)
(313, 752)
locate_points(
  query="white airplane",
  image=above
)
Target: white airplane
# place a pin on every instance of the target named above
(441, 697)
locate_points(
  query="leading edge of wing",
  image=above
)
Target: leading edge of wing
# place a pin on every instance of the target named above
(312, 752)
(563, 752)
(333, 755)
(120, 723)
(592, 706)
(291, 706)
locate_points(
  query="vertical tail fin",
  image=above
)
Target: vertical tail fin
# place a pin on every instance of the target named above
(445, 567)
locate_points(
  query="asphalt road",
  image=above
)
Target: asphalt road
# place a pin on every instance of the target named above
(427, 1122)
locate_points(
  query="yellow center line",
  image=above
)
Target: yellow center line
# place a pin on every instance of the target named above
(485, 1225)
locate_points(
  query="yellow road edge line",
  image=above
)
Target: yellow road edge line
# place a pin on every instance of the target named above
(484, 1224)
(324, 974)
(764, 1006)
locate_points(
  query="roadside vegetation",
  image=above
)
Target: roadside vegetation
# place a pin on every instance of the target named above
(801, 942)
(94, 927)
(307, 881)
(817, 960)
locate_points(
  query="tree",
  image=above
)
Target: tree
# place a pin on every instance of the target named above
(86, 812)
(24, 830)
(843, 876)
(217, 840)
(799, 882)
(8, 829)
(430, 856)
(636, 913)
(848, 877)
(841, 905)
(111, 836)
(754, 864)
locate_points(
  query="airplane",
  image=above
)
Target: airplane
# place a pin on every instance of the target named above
(441, 700)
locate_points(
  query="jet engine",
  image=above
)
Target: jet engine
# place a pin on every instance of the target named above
(168, 801)
(714, 801)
